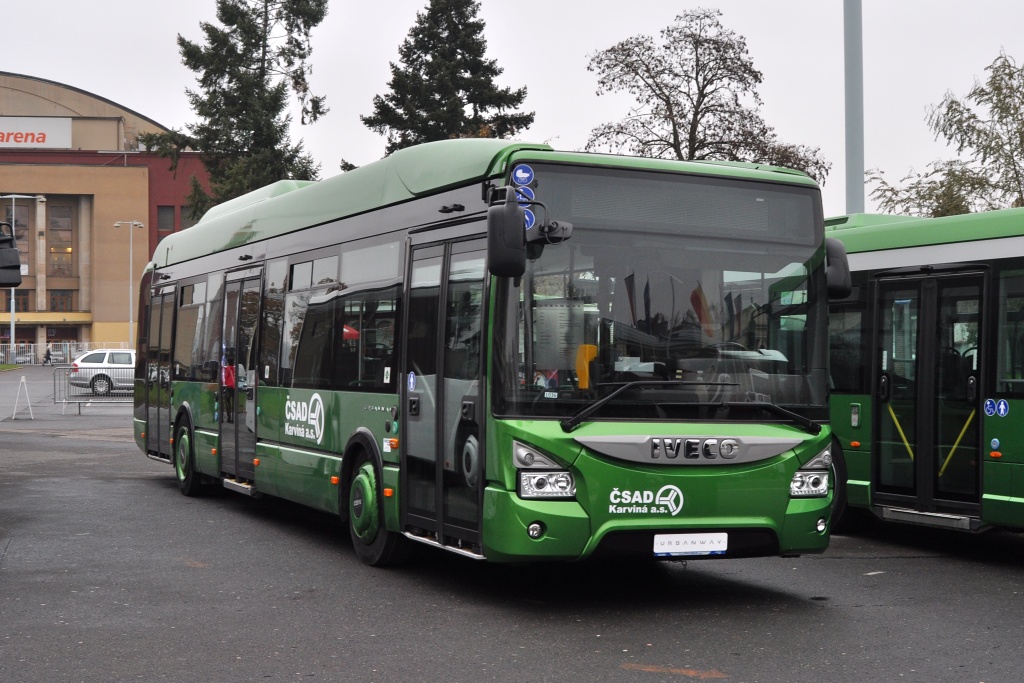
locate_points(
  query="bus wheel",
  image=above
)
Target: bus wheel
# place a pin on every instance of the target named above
(189, 481)
(840, 514)
(374, 544)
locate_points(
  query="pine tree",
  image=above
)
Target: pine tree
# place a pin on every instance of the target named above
(444, 87)
(247, 71)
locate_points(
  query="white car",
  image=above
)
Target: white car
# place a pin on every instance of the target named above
(104, 371)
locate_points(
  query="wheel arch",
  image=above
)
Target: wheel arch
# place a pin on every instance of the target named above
(184, 413)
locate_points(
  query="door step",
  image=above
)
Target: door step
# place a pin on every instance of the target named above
(942, 520)
(239, 486)
(428, 538)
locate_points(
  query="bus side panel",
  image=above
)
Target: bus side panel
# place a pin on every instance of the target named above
(206, 443)
(1002, 500)
(201, 399)
(303, 433)
(856, 444)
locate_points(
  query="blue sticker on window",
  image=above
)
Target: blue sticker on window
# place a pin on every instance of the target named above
(412, 381)
(524, 195)
(522, 175)
(990, 407)
(529, 219)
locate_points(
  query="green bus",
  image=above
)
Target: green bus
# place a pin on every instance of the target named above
(928, 368)
(508, 352)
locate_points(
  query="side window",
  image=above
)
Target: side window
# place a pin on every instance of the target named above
(211, 352)
(1010, 334)
(273, 320)
(314, 352)
(295, 305)
(189, 331)
(364, 356)
(848, 344)
(98, 357)
(121, 358)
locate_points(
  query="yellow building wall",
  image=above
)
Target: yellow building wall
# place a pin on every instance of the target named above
(102, 196)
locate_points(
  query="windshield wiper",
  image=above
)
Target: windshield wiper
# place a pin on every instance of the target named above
(799, 420)
(571, 423)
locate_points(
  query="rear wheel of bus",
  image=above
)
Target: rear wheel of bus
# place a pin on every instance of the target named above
(189, 481)
(372, 542)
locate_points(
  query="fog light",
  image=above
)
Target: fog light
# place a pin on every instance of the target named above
(821, 525)
(535, 530)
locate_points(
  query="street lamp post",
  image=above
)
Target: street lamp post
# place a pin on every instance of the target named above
(14, 233)
(131, 275)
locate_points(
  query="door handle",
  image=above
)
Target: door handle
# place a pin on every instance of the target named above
(972, 389)
(883, 388)
(414, 406)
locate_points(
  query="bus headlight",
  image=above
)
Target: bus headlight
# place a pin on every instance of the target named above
(549, 485)
(540, 475)
(811, 480)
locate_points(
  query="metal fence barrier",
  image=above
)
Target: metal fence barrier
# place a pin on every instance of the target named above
(60, 352)
(93, 386)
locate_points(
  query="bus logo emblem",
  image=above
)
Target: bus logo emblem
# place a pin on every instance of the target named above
(305, 419)
(671, 497)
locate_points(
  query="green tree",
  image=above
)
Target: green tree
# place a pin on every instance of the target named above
(696, 98)
(986, 128)
(247, 70)
(444, 87)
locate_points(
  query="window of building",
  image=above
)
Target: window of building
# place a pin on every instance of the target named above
(164, 220)
(21, 300)
(186, 218)
(60, 241)
(62, 300)
(20, 229)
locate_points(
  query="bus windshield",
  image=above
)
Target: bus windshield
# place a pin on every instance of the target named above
(708, 295)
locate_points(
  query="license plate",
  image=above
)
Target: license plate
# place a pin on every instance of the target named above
(681, 545)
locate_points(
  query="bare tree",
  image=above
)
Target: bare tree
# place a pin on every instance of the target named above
(696, 98)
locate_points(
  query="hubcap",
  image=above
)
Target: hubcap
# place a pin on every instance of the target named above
(181, 462)
(362, 505)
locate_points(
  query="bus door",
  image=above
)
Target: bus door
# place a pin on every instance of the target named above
(442, 455)
(929, 363)
(158, 374)
(239, 375)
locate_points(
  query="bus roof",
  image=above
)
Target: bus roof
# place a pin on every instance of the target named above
(419, 171)
(875, 232)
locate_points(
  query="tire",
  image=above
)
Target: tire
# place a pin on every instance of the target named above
(374, 545)
(189, 480)
(840, 513)
(101, 385)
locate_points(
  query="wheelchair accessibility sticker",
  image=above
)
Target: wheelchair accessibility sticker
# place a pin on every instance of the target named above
(1000, 407)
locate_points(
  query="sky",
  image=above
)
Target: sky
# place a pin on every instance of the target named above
(915, 51)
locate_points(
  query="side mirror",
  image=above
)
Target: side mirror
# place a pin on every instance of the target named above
(837, 269)
(506, 236)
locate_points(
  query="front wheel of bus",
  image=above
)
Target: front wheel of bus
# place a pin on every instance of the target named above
(373, 543)
(839, 513)
(189, 481)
